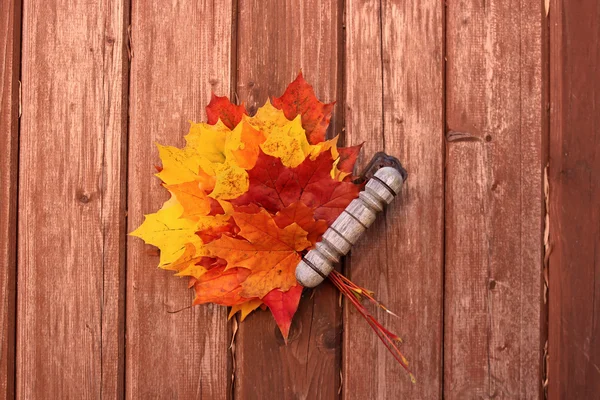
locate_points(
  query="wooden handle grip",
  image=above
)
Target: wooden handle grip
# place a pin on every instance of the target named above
(337, 241)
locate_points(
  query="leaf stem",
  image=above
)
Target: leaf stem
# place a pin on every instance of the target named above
(354, 293)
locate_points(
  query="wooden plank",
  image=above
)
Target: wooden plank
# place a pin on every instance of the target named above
(394, 103)
(10, 53)
(290, 39)
(574, 342)
(494, 200)
(71, 201)
(181, 52)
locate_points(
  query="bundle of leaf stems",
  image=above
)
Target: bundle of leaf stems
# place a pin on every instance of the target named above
(355, 294)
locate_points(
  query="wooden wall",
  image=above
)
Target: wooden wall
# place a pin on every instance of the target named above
(475, 98)
(574, 212)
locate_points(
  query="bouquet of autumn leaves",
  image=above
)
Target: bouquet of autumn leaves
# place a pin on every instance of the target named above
(249, 195)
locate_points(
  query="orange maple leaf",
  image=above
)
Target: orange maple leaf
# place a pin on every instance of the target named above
(269, 252)
(192, 198)
(220, 286)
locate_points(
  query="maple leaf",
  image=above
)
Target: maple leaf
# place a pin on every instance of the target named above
(220, 286)
(267, 118)
(303, 215)
(274, 186)
(285, 138)
(208, 158)
(204, 149)
(348, 157)
(299, 99)
(192, 198)
(171, 234)
(189, 264)
(283, 306)
(245, 308)
(215, 231)
(242, 144)
(288, 143)
(231, 181)
(268, 252)
(223, 109)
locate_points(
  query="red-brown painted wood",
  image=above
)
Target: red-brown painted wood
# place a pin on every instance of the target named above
(10, 62)
(394, 102)
(180, 53)
(383, 62)
(275, 40)
(494, 200)
(71, 200)
(574, 177)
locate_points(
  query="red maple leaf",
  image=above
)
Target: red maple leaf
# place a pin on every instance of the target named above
(221, 107)
(299, 99)
(274, 186)
(304, 217)
(283, 306)
(348, 156)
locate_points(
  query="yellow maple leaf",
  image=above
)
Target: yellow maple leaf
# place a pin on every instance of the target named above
(171, 234)
(245, 308)
(208, 141)
(267, 118)
(288, 143)
(231, 181)
(180, 165)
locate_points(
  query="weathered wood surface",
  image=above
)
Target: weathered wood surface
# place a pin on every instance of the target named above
(480, 133)
(180, 53)
(275, 40)
(494, 202)
(574, 176)
(71, 209)
(10, 65)
(394, 100)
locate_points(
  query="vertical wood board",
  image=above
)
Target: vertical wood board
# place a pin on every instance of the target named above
(276, 40)
(10, 57)
(394, 103)
(71, 210)
(181, 52)
(494, 200)
(574, 315)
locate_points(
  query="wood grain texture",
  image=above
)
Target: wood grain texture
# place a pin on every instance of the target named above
(275, 40)
(10, 61)
(394, 103)
(494, 200)
(574, 317)
(181, 52)
(71, 201)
